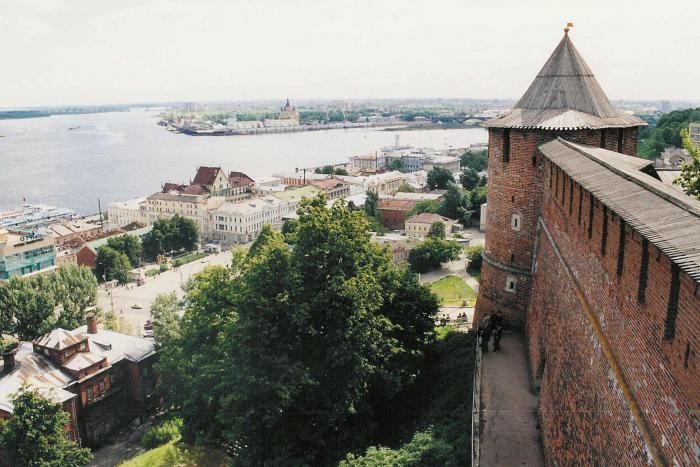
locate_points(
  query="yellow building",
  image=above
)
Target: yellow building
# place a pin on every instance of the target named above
(289, 113)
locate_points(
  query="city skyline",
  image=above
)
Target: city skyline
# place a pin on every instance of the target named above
(82, 53)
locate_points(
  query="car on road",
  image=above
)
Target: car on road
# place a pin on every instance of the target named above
(137, 307)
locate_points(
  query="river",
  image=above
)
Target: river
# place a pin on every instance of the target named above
(72, 160)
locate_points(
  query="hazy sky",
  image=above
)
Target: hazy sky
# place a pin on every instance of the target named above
(98, 51)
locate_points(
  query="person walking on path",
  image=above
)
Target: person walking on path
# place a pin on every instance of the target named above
(497, 333)
(484, 333)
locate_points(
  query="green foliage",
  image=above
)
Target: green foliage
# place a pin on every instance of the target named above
(34, 435)
(478, 197)
(185, 259)
(475, 256)
(689, 179)
(341, 171)
(166, 319)
(169, 235)
(425, 423)
(474, 160)
(437, 230)
(456, 204)
(161, 434)
(397, 164)
(439, 177)
(326, 169)
(427, 205)
(282, 357)
(27, 304)
(406, 188)
(469, 179)
(423, 449)
(130, 245)
(190, 364)
(162, 267)
(112, 265)
(152, 272)
(264, 238)
(431, 253)
(372, 204)
(652, 139)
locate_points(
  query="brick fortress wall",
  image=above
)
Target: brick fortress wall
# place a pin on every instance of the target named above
(515, 199)
(601, 352)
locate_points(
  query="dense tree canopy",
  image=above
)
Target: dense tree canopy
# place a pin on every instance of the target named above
(170, 235)
(474, 160)
(111, 265)
(283, 356)
(666, 132)
(439, 177)
(469, 179)
(130, 245)
(431, 253)
(34, 436)
(28, 305)
(397, 164)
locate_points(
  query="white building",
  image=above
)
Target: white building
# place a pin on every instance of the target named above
(122, 213)
(242, 222)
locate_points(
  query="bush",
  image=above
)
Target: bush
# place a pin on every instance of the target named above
(177, 263)
(162, 434)
(163, 267)
(152, 272)
(475, 256)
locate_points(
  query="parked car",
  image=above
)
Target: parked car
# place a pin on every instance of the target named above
(148, 325)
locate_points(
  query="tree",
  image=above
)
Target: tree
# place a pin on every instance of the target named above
(469, 179)
(28, 304)
(265, 236)
(326, 169)
(427, 205)
(397, 164)
(478, 197)
(437, 230)
(169, 235)
(406, 188)
(130, 245)
(439, 177)
(456, 204)
(34, 435)
(372, 204)
(166, 319)
(431, 253)
(112, 265)
(689, 179)
(190, 364)
(341, 171)
(475, 256)
(186, 233)
(475, 160)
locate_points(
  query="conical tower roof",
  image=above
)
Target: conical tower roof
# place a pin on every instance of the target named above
(565, 95)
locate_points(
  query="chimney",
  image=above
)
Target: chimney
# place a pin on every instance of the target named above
(8, 360)
(91, 324)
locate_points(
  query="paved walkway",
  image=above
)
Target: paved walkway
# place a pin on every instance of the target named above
(509, 433)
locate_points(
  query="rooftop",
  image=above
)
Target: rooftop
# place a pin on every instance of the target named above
(565, 95)
(296, 195)
(427, 218)
(661, 213)
(206, 175)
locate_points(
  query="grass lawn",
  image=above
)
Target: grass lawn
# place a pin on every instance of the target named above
(451, 290)
(152, 458)
(152, 272)
(176, 453)
(180, 260)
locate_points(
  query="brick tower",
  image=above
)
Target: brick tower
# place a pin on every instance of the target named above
(564, 100)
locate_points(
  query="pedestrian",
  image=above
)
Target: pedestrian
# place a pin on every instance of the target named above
(497, 338)
(483, 336)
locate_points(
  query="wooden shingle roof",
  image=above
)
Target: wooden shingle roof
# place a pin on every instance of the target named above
(662, 214)
(565, 95)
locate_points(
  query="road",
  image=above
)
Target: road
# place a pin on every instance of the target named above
(121, 299)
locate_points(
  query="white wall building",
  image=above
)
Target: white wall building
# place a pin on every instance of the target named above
(242, 222)
(122, 213)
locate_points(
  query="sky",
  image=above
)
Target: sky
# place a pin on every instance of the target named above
(80, 52)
